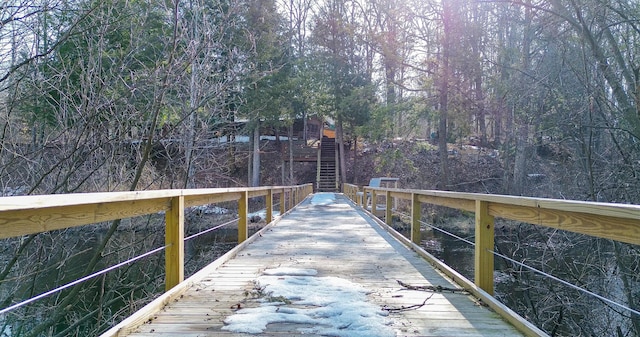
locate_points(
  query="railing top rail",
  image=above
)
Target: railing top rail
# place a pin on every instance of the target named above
(27, 202)
(620, 222)
(24, 215)
(629, 211)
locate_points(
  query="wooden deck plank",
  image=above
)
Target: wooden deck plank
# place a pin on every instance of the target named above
(337, 241)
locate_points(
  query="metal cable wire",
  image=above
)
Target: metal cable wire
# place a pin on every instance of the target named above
(567, 283)
(401, 214)
(80, 280)
(210, 229)
(449, 233)
(106, 270)
(440, 230)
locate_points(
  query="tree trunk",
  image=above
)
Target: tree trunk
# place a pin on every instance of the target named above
(519, 167)
(614, 76)
(189, 142)
(255, 176)
(479, 94)
(444, 96)
(626, 270)
(522, 110)
(291, 154)
(341, 154)
(355, 161)
(305, 136)
(391, 97)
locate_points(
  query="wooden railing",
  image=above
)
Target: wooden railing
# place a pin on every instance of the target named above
(26, 215)
(618, 222)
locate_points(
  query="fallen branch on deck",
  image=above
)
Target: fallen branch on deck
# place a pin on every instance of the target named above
(435, 289)
(411, 307)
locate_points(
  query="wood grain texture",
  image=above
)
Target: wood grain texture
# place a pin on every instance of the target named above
(29, 221)
(619, 222)
(174, 240)
(388, 217)
(416, 216)
(23, 215)
(457, 203)
(593, 224)
(269, 206)
(196, 200)
(243, 217)
(483, 257)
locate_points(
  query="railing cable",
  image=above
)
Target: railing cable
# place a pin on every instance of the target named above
(448, 233)
(210, 229)
(438, 229)
(104, 271)
(567, 283)
(535, 270)
(80, 280)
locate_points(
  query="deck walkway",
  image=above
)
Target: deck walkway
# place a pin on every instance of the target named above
(349, 251)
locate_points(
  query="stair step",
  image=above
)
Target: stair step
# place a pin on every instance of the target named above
(328, 168)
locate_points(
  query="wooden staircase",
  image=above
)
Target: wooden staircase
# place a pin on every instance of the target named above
(327, 166)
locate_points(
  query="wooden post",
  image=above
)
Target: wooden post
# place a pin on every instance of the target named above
(282, 205)
(243, 210)
(387, 216)
(269, 205)
(416, 215)
(293, 197)
(484, 245)
(374, 203)
(290, 206)
(174, 240)
(318, 165)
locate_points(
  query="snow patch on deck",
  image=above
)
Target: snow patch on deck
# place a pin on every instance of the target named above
(332, 306)
(285, 271)
(323, 199)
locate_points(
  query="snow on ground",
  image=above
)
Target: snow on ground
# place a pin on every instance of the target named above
(210, 209)
(246, 139)
(5, 331)
(262, 214)
(332, 306)
(323, 199)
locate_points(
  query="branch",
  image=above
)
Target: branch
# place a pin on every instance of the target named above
(411, 307)
(64, 38)
(435, 289)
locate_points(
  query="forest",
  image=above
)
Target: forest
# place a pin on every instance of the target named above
(116, 95)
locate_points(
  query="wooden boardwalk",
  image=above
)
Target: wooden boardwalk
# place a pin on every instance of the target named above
(340, 243)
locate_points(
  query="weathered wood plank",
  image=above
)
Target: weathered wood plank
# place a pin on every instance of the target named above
(29, 221)
(598, 225)
(23, 215)
(174, 240)
(483, 258)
